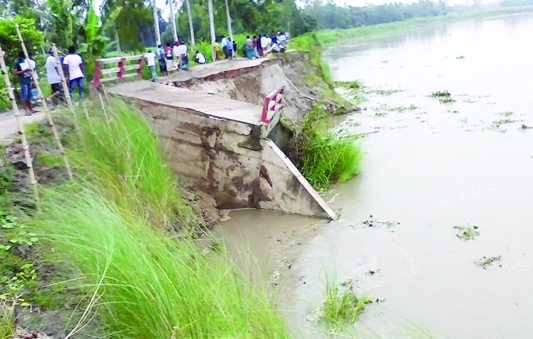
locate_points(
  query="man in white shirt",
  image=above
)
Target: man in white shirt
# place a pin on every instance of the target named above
(176, 54)
(150, 61)
(183, 60)
(75, 72)
(53, 78)
(199, 58)
(225, 50)
(264, 45)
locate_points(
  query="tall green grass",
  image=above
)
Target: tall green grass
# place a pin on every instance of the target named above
(323, 156)
(122, 158)
(148, 285)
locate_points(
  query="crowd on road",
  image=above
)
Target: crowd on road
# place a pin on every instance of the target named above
(72, 69)
(175, 57)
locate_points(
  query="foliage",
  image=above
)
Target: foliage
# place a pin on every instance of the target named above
(342, 306)
(123, 159)
(33, 38)
(348, 84)
(65, 15)
(467, 232)
(149, 285)
(324, 157)
(96, 42)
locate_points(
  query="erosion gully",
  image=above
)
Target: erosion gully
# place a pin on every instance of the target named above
(428, 166)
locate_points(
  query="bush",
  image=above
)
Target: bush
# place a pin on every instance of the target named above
(324, 157)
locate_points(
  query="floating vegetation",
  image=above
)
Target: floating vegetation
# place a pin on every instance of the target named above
(348, 84)
(372, 222)
(460, 57)
(467, 232)
(443, 96)
(387, 92)
(405, 108)
(342, 306)
(506, 114)
(488, 261)
(497, 124)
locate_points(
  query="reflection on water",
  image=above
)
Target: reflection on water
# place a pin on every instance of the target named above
(428, 169)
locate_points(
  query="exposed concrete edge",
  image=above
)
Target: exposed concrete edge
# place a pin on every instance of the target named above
(303, 182)
(189, 110)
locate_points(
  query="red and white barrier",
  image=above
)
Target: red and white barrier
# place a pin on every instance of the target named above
(118, 73)
(272, 104)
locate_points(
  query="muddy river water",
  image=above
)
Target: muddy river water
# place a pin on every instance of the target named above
(428, 167)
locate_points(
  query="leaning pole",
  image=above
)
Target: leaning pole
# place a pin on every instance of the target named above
(45, 106)
(25, 146)
(212, 27)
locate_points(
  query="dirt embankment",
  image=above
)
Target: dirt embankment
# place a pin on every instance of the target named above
(304, 84)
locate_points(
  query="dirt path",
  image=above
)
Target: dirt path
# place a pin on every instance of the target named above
(8, 123)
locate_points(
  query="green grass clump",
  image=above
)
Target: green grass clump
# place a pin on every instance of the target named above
(148, 285)
(123, 159)
(324, 157)
(348, 84)
(342, 306)
(467, 232)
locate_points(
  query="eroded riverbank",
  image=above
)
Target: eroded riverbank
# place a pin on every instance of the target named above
(428, 167)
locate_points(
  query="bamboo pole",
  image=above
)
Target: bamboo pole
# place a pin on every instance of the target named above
(25, 146)
(45, 106)
(66, 90)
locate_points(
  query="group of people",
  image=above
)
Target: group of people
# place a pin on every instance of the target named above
(170, 58)
(261, 46)
(73, 71)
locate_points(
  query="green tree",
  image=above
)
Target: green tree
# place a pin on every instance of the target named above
(33, 38)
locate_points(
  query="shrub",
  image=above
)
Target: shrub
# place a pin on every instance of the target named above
(324, 157)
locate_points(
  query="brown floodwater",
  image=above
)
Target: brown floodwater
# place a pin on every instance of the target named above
(428, 167)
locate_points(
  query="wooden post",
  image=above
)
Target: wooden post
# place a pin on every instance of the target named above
(45, 106)
(66, 90)
(25, 146)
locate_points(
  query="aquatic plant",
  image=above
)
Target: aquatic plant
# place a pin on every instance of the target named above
(348, 84)
(467, 232)
(488, 261)
(342, 305)
(443, 96)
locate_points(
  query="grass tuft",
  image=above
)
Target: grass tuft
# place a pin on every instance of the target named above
(342, 306)
(324, 157)
(148, 285)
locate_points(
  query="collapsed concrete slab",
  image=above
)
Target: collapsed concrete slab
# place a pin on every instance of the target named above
(219, 146)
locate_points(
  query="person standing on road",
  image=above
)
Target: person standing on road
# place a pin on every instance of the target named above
(160, 55)
(249, 48)
(150, 61)
(53, 78)
(175, 52)
(168, 55)
(74, 65)
(264, 46)
(183, 57)
(224, 43)
(217, 50)
(21, 69)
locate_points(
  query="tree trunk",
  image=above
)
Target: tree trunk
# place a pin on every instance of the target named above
(212, 27)
(156, 26)
(173, 20)
(191, 27)
(230, 31)
(117, 41)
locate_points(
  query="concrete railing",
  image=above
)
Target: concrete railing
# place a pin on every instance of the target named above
(119, 72)
(272, 104)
